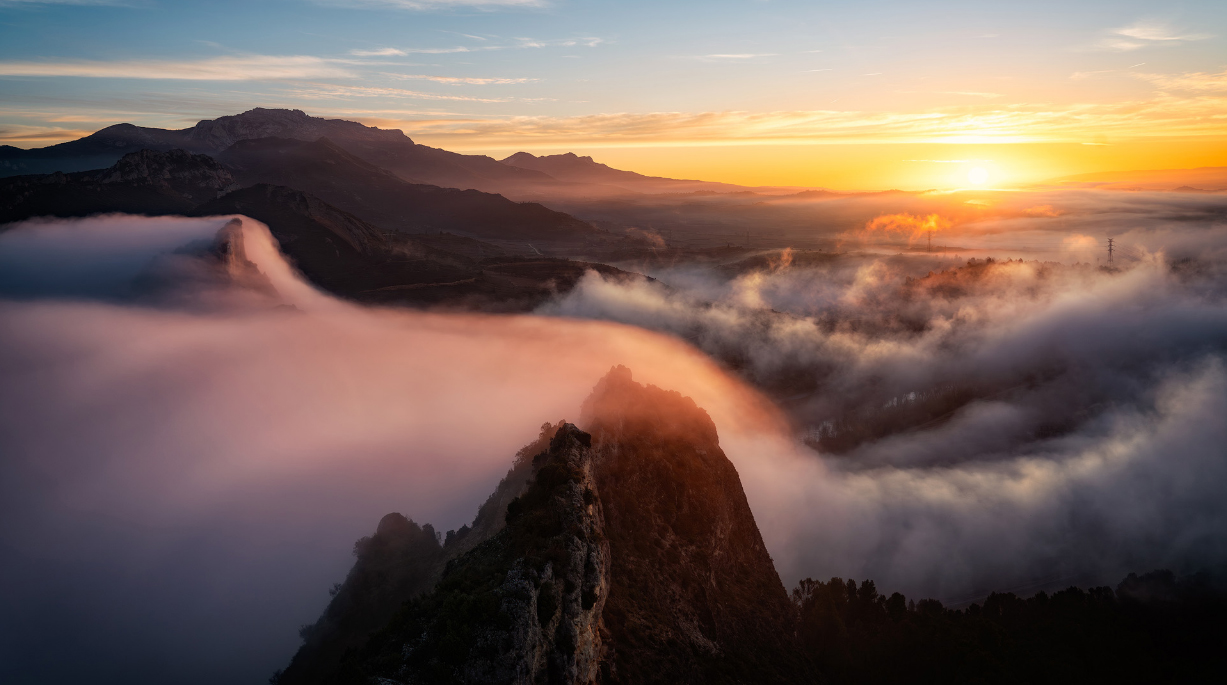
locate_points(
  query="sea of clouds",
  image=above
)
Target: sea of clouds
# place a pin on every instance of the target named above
(188, 457)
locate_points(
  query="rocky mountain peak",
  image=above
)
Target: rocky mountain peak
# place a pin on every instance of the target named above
(620, 405)
(629, 555)
(221, 133)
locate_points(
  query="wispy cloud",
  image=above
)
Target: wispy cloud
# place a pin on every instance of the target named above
(431, 4)
(517, 44)
(463, 80)
(1190, 82)
(380, 52)
(39, 135)
(83, 3)
(330, 90)
(229, 68)
(1083, 75)
(733, 57)
(1164, 116)
(1145, 33)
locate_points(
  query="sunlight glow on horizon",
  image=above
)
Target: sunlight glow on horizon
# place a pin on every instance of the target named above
(787, 93)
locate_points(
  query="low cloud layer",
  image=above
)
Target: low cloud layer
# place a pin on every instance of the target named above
(1003, 424)
(186, 468)
(182, 480)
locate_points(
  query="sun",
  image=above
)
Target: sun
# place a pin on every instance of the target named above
(977, 175)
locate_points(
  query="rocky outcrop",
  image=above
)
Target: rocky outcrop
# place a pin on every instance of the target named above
(400, 562)
(694, 595)
(196, 177)
(629, 555)
(522, 607)
(230, 251)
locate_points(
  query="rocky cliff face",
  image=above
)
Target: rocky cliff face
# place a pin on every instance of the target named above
(629, 555)
(196, 177)
(522, 607)
(694, 595)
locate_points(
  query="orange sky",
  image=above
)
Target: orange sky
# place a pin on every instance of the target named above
(916, 166)
(787, 92)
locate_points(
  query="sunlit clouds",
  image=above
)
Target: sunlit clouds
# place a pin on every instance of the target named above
(1165, 116)
(500, 76)
(430, 4)
(1147, 33)
(225, 68)
(1194, 82)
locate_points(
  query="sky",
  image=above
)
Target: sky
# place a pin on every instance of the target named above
(846, 95)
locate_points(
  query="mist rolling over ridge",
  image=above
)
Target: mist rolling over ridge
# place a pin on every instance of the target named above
(265, 431)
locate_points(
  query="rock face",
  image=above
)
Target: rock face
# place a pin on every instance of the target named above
(694, 595)
(629, 555)
(400, 562)
(522, 607)
(196, 177)
(143, 182)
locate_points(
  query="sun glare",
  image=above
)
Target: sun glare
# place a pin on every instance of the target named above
(978, 176)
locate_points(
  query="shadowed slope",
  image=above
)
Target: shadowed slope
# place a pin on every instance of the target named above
(143, 182)
(324, 169)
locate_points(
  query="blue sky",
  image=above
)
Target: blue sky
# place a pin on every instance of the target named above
(571, 74)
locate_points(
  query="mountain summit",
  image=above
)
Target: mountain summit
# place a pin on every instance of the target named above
(625, 552)
(389, 149)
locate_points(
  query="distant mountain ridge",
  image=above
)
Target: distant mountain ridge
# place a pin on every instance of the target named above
(1182, 180)
(520, 174)
(388, 148)
(383, 241)
(571, 168)
(324, 168)
(575, 168)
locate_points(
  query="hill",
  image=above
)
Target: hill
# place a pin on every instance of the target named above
(323, 168)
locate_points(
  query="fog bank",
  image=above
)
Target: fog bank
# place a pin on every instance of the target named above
(190, 452)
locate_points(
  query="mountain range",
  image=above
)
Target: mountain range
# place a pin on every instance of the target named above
(405, 259)
(388, 149)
